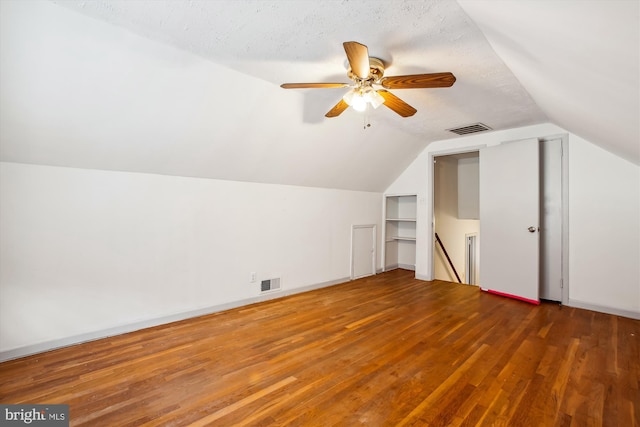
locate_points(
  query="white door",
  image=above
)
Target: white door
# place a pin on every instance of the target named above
(509, 219)
(551, 221)
(363, 251)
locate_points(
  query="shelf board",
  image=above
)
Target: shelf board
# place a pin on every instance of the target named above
(402, 219)
(413, 239)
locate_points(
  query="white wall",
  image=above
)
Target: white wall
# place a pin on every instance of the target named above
(469, 188)
(604, 228)
(604, 199)
(84, 253)
(80, 92)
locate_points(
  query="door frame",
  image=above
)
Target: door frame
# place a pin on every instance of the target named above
(374, 253)
(467, 260)
(430, 220)
(564, 177)
(555, 146)
(431, 215)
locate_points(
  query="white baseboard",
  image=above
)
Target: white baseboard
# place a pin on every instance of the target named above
(604, 309)
(96, 335)
(104, 333)
(402, 266)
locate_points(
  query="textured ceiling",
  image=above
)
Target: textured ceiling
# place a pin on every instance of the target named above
(191, 88)
(293, 41)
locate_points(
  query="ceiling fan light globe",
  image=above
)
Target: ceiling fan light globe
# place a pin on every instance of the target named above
(348, 97)
(375, 99)
(359, 103)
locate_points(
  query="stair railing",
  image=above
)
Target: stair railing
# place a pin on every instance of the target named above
(448, 259)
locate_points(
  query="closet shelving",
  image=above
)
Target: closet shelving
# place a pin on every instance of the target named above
(400, 231)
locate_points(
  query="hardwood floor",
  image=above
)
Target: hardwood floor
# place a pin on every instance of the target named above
(386, 350)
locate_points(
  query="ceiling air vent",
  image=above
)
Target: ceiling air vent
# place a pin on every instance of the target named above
(474, 128)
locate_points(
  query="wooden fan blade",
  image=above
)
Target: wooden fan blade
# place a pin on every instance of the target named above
(337, 109)
(418, 81)
(358, 56)
(397, 104)
(312, 85)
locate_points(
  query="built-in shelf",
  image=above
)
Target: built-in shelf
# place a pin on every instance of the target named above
(400, 231)
(392, 238)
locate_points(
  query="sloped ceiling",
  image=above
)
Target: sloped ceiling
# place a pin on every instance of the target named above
(579, 60)
(191, 88)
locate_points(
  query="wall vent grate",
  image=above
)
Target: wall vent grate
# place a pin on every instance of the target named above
(270, 285)
(474, 128)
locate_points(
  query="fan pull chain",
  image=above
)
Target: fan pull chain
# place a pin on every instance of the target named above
(365, 119)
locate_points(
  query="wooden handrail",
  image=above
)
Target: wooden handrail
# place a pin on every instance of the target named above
(448, 259)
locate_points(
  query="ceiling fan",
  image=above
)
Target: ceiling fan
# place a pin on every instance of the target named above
(369, 84)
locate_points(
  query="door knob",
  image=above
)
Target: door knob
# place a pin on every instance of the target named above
(531, 229)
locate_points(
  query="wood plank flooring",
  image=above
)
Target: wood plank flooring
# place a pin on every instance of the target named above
(387, 350)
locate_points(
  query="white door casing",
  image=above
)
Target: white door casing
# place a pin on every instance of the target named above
(551, 221)
(471, 258)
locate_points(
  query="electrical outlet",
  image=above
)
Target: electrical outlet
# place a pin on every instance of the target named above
(253, 277)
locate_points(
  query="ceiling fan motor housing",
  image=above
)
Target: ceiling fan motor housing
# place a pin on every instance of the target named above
(376, 71)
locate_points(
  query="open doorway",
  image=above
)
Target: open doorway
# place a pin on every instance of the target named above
(456, 217)
(553, 217)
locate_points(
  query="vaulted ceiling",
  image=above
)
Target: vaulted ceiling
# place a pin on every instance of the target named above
(191, 88)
